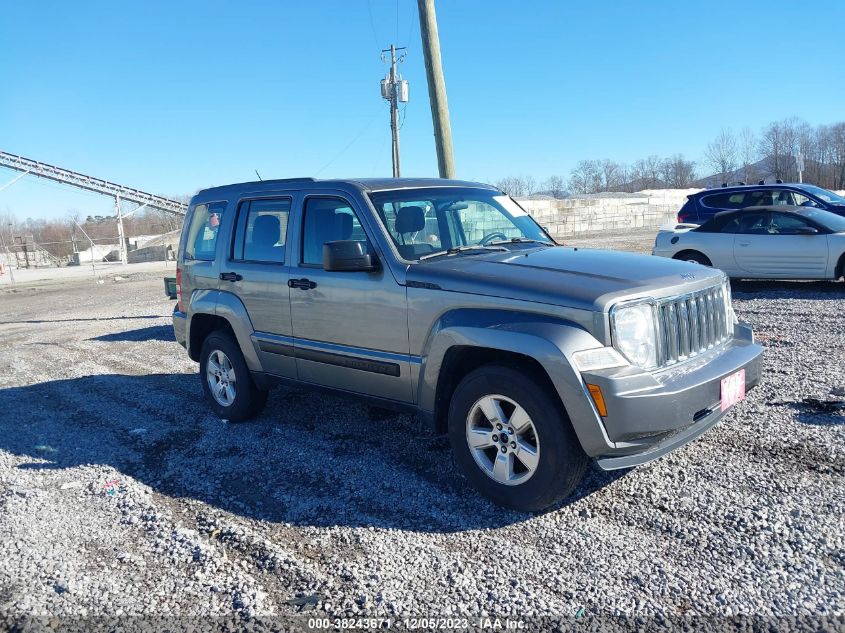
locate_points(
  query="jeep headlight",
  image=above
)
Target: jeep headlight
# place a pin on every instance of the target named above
(635, 334)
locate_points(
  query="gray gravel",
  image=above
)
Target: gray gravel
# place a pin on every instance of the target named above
(120, 494)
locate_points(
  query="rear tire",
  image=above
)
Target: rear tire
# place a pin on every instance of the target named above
(694, 257)
(226, 381)
(540, 458)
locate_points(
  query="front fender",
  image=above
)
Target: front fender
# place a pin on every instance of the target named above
(548, 340)
(229, 307)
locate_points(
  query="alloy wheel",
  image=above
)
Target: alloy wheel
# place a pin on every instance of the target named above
(221, 378)
(503, 440)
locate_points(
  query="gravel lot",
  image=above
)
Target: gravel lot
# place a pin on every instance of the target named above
(121, 495)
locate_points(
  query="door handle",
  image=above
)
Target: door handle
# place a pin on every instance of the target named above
(302, 284)
(230, 277)
(745, 243)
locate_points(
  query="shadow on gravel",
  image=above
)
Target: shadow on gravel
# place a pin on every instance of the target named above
(152, 333)
(816, 412)
(773, 288)
(305, 461)
(121, 318)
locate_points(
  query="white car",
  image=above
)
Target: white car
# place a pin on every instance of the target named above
(774, 242)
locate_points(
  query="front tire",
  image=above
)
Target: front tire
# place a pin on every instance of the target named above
(226, 380)
(512, 439)
(694, 257)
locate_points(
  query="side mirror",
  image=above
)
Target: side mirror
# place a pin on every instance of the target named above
(348, 256)
(806, 230)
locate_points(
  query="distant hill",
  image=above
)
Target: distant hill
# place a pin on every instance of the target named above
(756, 172)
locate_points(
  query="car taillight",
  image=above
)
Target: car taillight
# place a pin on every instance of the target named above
(683, 216)
(179, 289)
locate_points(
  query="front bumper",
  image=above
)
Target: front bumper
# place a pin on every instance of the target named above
(651, 414)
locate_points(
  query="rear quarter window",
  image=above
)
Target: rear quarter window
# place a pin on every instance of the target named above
(724, 200)
(201, 240)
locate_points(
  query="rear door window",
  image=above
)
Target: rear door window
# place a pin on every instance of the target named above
(261, 235)
(769, 197)
(201, 242)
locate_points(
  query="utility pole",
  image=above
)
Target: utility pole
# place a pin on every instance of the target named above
(436, 89)
(394, 89)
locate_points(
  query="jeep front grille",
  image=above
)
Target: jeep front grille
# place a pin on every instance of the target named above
(692, 324)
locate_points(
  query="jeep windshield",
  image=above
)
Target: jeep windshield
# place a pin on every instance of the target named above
(426, 222)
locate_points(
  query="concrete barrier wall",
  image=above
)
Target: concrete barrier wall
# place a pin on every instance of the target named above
(150, 254)
(601, 213)
(101, 253)
(37, 258)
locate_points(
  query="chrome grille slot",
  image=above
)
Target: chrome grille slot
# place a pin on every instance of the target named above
(691, 324)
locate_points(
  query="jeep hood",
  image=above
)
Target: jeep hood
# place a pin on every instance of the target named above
(588, 279)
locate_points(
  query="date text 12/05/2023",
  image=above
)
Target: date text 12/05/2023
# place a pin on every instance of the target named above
(421, 623)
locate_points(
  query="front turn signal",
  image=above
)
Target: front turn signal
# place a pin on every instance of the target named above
(598, 399)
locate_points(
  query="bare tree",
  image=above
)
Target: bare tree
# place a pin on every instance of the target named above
(778, 145)
(517, 186)
(507, 185)
(677, 172)
(747, 152)
(529, 185)
(585, 177)
(836, 135)
(637, 175)
(720, 154)
(611, 175)
(555, 187)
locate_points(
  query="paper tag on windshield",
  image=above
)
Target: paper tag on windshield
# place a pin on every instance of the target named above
(510, 206)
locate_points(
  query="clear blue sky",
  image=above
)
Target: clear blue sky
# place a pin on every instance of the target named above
(171, 97)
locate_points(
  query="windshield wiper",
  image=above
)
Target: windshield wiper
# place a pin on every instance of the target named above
(522, 240)
(462, 249)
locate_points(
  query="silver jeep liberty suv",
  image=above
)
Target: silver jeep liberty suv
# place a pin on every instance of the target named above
(448, 299)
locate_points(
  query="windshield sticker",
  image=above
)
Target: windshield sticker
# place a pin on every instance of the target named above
(510, 206)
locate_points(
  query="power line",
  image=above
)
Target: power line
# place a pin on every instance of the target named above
(372, 22)
(384, 138)
(404, 111)
(349, 144)
(411, 22)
